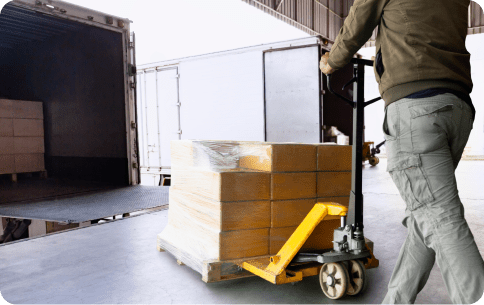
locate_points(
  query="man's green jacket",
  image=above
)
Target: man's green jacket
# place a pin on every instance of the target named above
(420, 44)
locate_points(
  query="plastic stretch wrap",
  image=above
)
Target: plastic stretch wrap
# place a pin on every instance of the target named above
(262, 156)
(195, 231)
(208, 155)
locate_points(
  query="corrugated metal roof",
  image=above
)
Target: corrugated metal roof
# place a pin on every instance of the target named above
(18, 25)
(326, 17)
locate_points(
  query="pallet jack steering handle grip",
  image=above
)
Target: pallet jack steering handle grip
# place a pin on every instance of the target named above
(354, 79)
(350, 102)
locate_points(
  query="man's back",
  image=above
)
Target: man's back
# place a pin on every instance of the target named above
(420, 44)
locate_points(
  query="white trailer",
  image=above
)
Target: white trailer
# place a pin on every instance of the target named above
(271, 92)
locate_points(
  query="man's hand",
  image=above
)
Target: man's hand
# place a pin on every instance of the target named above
(324, 66)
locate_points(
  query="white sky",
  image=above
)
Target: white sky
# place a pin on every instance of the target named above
(168, 29)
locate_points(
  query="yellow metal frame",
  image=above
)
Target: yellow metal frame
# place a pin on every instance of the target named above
(273, 269)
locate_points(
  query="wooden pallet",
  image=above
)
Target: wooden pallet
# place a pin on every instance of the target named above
(213, 270)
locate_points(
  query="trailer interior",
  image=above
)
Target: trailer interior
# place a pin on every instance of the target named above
(77, 71)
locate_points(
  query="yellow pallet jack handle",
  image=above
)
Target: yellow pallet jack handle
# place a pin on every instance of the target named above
(273, 269)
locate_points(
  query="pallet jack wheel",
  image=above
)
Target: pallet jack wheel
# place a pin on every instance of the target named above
(334, 280)
(374, 161)
(357, 277)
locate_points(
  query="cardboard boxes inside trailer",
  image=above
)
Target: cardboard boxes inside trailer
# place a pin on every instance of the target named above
(21, 137)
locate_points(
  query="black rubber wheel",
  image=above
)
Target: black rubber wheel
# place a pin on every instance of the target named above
(374, 161)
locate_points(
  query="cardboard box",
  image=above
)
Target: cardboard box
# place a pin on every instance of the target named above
(28, 128)
(334, 157)
(321, 238)
(293, 185)
(27, 110)
(6, 110)
(278, 157)
(224, 185)
(334, 184)
(222, 216)
(6, 127)
(204, 243)
(181, 154)
(7, 164)
(26, 163)
(6, 146)
(244, 243)
(29, 145)
(287, 213)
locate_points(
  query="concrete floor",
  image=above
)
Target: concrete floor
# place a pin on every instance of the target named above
(117, 262)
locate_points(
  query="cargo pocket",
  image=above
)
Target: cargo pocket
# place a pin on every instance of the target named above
(410, 180)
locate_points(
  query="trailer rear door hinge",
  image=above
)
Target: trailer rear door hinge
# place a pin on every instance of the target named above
(179, 132)
(133, 124)
(177, 76)
(131, 44)
(131, 69)
(132, 85)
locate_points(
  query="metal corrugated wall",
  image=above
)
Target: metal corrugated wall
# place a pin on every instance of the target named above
(326, 17)
(476, 19)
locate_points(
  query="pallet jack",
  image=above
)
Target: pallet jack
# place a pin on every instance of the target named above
(342, 270)
(370, 151)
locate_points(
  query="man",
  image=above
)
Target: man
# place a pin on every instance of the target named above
(423, 71)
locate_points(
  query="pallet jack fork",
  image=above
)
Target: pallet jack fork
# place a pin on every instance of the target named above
(342, 269)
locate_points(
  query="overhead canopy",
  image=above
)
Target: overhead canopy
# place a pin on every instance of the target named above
(326, 17)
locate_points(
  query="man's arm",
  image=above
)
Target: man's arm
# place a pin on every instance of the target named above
(358, 27)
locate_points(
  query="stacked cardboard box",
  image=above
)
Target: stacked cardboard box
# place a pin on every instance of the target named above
(301, 176)
(232, 200)
(21, 137)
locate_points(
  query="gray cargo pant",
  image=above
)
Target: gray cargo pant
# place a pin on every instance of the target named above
(425, 140)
